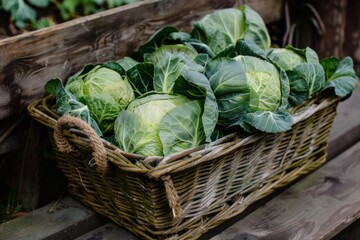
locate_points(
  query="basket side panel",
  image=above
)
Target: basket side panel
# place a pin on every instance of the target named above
(252, 172)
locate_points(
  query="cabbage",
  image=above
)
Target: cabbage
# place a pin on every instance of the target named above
(306, 75)
(103, 90)
(179, 90)
(250, 92)
(159, 124)
(264, 83)
(225, 27)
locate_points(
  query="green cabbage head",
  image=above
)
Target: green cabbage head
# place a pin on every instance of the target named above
(225, 27)
(264, 83)
(104, 91)
(159, 124)
(251, 92)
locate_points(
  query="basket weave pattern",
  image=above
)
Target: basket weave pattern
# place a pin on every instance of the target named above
(187, 194)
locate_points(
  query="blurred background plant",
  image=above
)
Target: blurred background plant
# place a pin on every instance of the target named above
(9, 206)
(18, 16)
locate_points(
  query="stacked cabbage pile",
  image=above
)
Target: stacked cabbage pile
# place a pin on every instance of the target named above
(180, 90)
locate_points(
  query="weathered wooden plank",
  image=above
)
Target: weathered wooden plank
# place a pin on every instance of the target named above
(67, 219)
(109, 231)
(346, 129)
(31, 156)
(10, 144)
(352, 32)
(333, 14)
(318, 207)
(29, 60)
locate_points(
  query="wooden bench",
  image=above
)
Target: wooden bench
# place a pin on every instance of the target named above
(318, 206)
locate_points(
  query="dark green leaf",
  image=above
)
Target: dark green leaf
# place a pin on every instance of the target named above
(141, 77)
(155, 41)
(210, 115)
(227, 76)
(66, 103)
(114, 66)
(103, 108)
(330, 65)
(343, 80)
(271, 122)
(256, 30)
(305, 80)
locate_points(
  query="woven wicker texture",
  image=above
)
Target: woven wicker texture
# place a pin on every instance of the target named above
(186, 194)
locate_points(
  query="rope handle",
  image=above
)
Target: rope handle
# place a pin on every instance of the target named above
(63, 144)
(172, 196)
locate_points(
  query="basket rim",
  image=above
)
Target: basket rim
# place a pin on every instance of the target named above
(157, 166)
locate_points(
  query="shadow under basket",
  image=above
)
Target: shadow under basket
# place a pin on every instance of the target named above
(184, 195)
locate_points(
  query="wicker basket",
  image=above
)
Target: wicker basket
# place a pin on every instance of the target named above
(186, 194)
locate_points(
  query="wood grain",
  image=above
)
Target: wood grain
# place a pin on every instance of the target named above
(346, 129)
(109, 231)
(352, 33)
(333, 14)
(66, 219)
(29, 60)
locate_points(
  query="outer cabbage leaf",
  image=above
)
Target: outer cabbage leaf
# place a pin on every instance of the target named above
(226, 76)
(307, 53)
(285, 58)
(188, 40)
(134, 135)
(202, 59)
(166, 72)
(305, 80)
(195, 85)
(181, 128)
(222, 28)
(265, 85)
(266, 121)
(306, 75)
(137, 128)
(340, 75)
(169, 61)
(103, 109)
(225, 27)
(231, 107)
(66, 103)
(242, 47)
(183, 52)
(156, 40)
(256, 30)
(141, 77)
(229, 84)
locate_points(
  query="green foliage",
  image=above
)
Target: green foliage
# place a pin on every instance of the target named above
(66, 103)
(9, 207)
(21, 11)
(179, 90)
(340, 75)
(27, 13)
